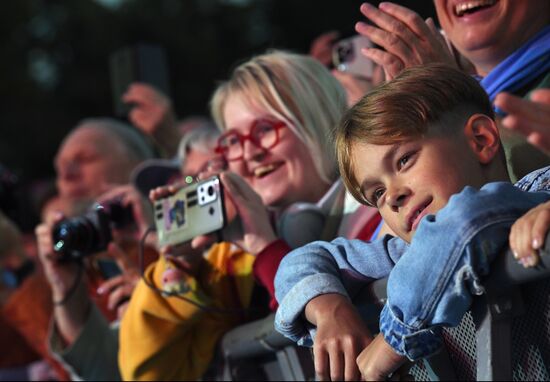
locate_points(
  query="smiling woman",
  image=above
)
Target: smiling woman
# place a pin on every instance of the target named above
(276, 112)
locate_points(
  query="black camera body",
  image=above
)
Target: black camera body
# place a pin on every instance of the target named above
(90, 233)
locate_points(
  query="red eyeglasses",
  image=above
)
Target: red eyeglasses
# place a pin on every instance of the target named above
(263, 133)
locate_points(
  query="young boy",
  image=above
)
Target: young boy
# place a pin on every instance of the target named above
(424, 149)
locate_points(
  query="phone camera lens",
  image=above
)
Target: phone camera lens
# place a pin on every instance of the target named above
(210, 190)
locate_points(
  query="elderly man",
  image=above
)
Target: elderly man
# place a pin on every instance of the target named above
(94, 157)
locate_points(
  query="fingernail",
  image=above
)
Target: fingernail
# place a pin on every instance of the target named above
(536, 243)
(516, 255)
(367, 6)
(532, 260)
(100, 290)
(523, 262)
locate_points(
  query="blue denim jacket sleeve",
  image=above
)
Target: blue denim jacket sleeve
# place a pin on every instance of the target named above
(342, 266)
(433, 283)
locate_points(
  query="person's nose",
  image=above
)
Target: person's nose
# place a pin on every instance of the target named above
(251, 151)
(397, 196)
(69, 170)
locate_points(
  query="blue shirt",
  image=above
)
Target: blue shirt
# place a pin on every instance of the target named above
(431, 280)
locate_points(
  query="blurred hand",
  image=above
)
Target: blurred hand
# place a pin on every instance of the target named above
(379, 360)
(528, 117)
(405, 38)
(255, 220)
(141, 209)
(67, 283)
(152, 110)
(528, 234)
(120, 288)
(184, 256)
(60, 275)
(41, 371)
(341, 336)
(321, 47)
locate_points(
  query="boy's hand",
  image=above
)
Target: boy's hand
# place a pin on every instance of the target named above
(528, 233)
(379, 360)
(341, 335)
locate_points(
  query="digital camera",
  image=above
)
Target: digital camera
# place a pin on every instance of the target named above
(90, 233)
(197, 209)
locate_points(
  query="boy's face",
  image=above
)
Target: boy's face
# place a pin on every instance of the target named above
(407, 181)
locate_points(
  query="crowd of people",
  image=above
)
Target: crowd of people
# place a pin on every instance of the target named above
(421, 172)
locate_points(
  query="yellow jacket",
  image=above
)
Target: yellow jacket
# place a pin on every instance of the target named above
(167, 338)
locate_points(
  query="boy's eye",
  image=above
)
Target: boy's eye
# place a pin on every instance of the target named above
(404, 160)
(376, 195)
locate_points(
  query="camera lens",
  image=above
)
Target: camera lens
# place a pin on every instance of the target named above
(83, 235)
(74, 235)
(210, 190)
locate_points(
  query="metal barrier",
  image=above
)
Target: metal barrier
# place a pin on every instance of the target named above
(481, 347)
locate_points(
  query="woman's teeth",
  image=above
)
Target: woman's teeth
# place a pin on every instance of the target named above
(461, 9)
(263, 170)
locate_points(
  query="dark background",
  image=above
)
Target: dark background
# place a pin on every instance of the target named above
(54, 68)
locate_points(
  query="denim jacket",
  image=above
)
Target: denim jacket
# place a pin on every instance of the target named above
(431, 281)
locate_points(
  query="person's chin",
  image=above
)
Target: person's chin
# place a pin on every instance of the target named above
(272, 198)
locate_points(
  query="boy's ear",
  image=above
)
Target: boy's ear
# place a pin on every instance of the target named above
(483, 137)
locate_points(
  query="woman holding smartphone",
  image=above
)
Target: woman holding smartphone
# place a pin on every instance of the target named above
(276, 113)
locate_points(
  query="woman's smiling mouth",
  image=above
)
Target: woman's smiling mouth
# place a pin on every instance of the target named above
(261, 171)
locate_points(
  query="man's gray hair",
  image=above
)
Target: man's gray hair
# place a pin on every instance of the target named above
(132, 139)
(202, 138)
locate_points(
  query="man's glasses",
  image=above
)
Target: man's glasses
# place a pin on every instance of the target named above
(263, 133)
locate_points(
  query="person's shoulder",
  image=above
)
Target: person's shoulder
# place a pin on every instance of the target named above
(538, 180)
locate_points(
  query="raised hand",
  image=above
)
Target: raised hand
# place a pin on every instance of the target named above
(405, 38)
(529, 117)
(152, 113)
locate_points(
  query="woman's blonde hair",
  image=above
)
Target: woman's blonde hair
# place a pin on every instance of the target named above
(296, 89)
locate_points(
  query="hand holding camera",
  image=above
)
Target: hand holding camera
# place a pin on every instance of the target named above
(61, 275)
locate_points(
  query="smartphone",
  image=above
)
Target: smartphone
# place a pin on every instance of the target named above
(347, 56)
(197, 209)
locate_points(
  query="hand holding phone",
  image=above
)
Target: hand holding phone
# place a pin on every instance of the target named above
(197, 209)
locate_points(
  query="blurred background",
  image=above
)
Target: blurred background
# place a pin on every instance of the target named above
(55, 59)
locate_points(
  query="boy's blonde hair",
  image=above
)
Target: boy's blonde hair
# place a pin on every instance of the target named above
(435, 98)
(296, 89)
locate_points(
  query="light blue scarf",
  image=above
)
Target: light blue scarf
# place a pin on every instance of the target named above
(521, 67)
